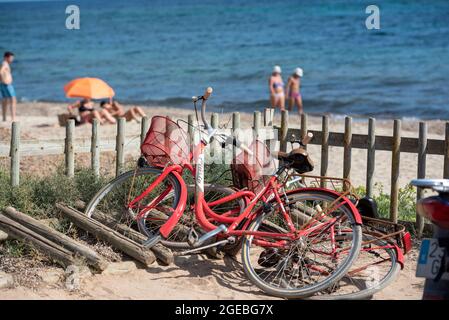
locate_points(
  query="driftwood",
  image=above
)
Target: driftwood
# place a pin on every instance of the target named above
(18, 231)
(164, 254)
(105, 233)
(90, 255)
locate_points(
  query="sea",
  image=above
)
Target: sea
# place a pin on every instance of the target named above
(163, 52)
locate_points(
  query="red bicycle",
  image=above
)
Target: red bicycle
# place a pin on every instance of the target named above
(294, 243)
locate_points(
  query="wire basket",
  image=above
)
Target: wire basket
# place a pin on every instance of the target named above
(165, 143)
(252, 171)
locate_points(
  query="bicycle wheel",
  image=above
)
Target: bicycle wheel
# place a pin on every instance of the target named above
(178, 238)
(111, 204)
(376, 267)
(306, 264)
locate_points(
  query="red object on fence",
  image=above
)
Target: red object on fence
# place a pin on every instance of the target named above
(166, 142)
(253, 171)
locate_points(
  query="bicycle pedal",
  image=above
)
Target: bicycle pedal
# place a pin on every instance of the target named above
(193, 237)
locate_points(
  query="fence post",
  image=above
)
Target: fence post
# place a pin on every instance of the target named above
(324, 149)
(69, 148)
(303, 127)
(371, 156)
(283, 131)
(235, 129)
(446, 153)
(422, 150)
(395, 162)
(94, 149)
(190, 131)
(143, 129)
(256, 124)
(120, 146)
(15, 154)
(347, 144)
(214, 124)
(268, 116)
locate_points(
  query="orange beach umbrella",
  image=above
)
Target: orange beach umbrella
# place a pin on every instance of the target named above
(89, 88)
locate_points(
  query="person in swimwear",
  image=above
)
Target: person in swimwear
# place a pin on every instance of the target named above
(276, 87)
(6, 87)
(293, 90)
(117, 110)
(87, 112)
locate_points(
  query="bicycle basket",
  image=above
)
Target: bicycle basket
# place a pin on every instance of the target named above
(252, 172)
(165, 142)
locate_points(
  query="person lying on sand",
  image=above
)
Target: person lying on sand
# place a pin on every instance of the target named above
(293, 90)
(117, 110)
(87, 112)
(276, 87)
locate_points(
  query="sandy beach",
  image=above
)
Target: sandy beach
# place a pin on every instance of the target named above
(39, 122)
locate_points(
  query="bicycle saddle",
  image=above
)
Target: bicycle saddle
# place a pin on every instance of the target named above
(297, 159)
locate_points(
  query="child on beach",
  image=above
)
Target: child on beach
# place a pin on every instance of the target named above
(293, 90)
(117, 110)
(276, 87)
(87, 112)
(6, 87)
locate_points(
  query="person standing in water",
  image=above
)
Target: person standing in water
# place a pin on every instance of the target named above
(294, 90)
(276, 87)
(6, 87)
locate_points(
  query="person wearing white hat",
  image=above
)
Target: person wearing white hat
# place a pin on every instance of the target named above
(276, 87)
(293, 90)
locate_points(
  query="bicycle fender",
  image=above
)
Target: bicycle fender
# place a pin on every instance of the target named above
(174, 218)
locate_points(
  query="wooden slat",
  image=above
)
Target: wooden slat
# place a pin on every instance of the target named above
(120, 147)
(395, 164)
(143, 129)
(69, 148)
(446, 153)
(324, 149)
(94, 149)
(383, 143)
(347, 152)
(15, 154)
(371, 157)
(283, 131)
(268, 116)
(304, 128)
(421, 174)
(256, 124)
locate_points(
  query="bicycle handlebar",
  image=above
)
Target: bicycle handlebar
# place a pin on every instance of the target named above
(206, 96)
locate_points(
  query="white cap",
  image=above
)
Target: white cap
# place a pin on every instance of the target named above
(298, 72)
(277, 69)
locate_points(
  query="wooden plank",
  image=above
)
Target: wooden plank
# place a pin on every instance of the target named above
(257, 122)
(347, 152)
(69, 148)
(383, 143)
(235, 130)
(103, 232)
(395, 164)
(15, 154)
(324, 149)
(268, 116)
(59, 238)
(94, 149)
(120, 147)
(144, 128)
(421, 174)
(164, 254)
(214, 147)
(304, 128)
(283, 131)
(446, 153)
(17, 231)
(371, 157)
(190, 131)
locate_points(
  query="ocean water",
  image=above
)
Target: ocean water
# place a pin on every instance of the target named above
(163, 52)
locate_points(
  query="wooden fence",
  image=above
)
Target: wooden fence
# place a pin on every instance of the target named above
(371, 142)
